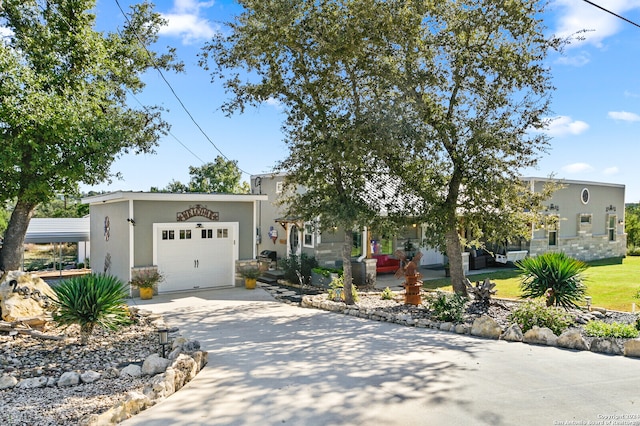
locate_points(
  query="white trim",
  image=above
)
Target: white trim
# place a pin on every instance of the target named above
(305, 233)
(131, 240)
(162, 196)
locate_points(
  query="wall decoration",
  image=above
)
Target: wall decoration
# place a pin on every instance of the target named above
(197, 210)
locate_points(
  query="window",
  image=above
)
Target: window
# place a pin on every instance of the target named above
(185, 234)
(307, 240)
(585, 219)
(206, 233)
(223, 233)
(584, 195)
(168, 235)
(611, 226)
(279, 186)
(552, 230)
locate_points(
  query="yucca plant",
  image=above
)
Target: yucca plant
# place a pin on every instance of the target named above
(555, 276)
(89, 301)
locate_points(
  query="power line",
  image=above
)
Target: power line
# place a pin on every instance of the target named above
(174, 92)
(612, 13)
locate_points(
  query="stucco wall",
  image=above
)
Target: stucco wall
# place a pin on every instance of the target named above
(110, 256)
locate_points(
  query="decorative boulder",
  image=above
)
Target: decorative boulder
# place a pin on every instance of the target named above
(70, 378)
(632, 348)
(25, 296)
(572, 339)
(7, 381)
(512, 334)
(89, 376)
(605, 346)
(154, 364)
(540, 336)
(131, 370)
(485, 326)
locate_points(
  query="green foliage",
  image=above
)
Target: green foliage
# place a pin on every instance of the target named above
(336, 290)
(633, 251)
(534, 313)
(386, 294)
(89, 301)
(615, 329)
(295, 264)
(447, 306)
(250, 273)
(221, 176)
(632, 227)
(555, 276)
(65, 113)
(326, 272)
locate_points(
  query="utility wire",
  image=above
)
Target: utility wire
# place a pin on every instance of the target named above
(174, 92)
(612, 13)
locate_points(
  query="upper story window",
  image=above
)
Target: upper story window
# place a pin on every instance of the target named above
(611, 226)
(279, 186)
(584, 195)
(552, 229)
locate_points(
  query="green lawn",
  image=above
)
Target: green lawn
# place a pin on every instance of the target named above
(612, 283)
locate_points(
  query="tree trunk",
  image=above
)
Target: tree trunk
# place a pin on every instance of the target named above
(454, 252)
(13, 246)
(346, 266)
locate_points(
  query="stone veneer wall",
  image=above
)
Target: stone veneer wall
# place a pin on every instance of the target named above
(327, 253)
(584, 246)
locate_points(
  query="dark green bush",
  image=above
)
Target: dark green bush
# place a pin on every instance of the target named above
(89, 301)
(302, 264)
(615, 329)
(535, 313)
(447, 307)
(555, 276)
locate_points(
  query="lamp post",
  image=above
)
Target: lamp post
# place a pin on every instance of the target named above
(163, 337)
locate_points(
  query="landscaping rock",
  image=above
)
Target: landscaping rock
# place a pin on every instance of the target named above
(154, 364)
(89, 376)
(485, 326)
(131, 370)
(632, 348)
(540, 336)
(573, 339)
(32, 383)
(30, 300)
(606, 346)
(7, 381)
(461, 329)
(512, 334)
(446, 326)
(70, 378)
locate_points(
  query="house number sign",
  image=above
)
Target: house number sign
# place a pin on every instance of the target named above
(197, 210)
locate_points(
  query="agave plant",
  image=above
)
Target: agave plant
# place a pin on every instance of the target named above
(89, 301)
(555, 276)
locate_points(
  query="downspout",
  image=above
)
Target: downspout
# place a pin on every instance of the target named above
(365, 244)
(131, 244)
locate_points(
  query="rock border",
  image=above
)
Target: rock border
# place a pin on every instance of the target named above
(483, 327)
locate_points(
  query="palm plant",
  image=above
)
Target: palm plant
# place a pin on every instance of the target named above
(89, 301)
(555, 276)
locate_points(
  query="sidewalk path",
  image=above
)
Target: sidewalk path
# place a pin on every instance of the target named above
(276, 364)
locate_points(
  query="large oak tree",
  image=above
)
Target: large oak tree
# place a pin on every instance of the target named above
(64, 115)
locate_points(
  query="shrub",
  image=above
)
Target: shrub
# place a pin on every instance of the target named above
(555, 276)
(447, 306)
(386, 294)
(302, 264)
(89, 301)
(615, 329)
(336, 290)
(534, 313)
(633, 251)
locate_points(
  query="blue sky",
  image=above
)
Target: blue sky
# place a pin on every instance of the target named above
(594, 125)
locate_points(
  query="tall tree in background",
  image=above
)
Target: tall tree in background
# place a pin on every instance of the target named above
(311, 57)
(63, 111)
(222, 176)
(473, 74)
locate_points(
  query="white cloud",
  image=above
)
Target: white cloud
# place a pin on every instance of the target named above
(577, 168)
(185, 20)
(5, 32)
(274, 103)
(624, 116)
(575, 16)
(564, 125)
(610, 171)
(578, 60)
(630, 94)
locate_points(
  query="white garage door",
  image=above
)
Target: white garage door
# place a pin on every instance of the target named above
(193, 256)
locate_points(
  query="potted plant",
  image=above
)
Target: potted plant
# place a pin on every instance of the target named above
(146, 280)
(250, 276)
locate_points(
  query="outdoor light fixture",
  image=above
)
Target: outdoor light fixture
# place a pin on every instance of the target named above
(611, 208)
(199, 225)
(283, 224)
(133, 222)
(163, 337)
(555, 207)
(588, 299)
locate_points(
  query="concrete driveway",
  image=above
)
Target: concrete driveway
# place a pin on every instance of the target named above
(275, 364)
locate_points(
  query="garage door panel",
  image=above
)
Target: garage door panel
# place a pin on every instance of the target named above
(200, 258)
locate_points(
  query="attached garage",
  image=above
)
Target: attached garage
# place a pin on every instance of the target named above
(194, 240)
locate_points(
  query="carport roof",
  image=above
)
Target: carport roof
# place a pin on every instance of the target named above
(57, 230)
